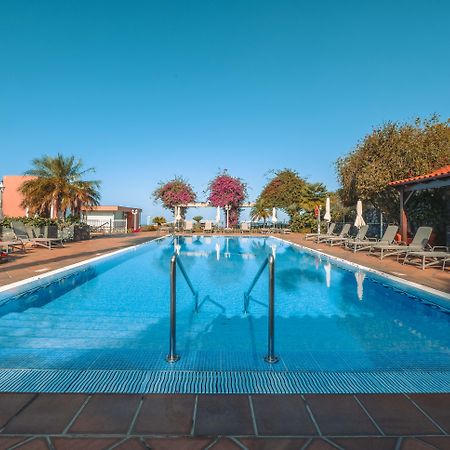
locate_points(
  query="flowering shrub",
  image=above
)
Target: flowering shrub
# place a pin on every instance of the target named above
(174, 192)
(227, 190)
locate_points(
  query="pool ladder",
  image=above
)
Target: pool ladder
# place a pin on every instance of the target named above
(175, 261)
(270, 262)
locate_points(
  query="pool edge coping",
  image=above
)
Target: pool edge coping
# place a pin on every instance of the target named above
(411, 284)
(40, 277)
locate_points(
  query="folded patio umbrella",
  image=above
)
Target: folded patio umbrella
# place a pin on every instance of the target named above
(327, 216)
(218, 215)
(274, 215)
(359, 221)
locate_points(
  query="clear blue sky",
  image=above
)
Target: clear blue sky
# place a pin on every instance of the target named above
(143, 90)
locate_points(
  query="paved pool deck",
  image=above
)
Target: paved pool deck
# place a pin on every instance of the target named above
(220, 422)
(190, 422)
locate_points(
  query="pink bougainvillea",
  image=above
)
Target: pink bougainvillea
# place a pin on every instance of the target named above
(174, 192)
(227, 190)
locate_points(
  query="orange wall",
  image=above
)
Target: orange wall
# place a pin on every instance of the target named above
(12, 198)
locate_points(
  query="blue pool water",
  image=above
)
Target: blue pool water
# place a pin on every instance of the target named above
(330, 318)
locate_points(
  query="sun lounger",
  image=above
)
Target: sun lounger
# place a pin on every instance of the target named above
(366, 244)
(360, 236)
(208, 227)
(245, 227)
(188, 226)
(339, 237)
(434, 257)
(329, 233)
(418, 244)
(10, 246)
(23, 236)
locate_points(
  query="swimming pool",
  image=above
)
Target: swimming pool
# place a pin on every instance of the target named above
(104, 326)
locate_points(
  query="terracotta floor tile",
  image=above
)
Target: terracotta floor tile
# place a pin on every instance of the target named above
(278, 415)
(273, 443)
(47, 414)
(35, 444)
(106, 414)
(440, 442)
(183, 443)
(320, 444)
(340, 415)
(10, 404)
(366, 443)
(165, 414)
(131, 444)
(396, 415)
(437, 406)
(83, 443)
(225, 444)
(8, 442)
(415, 444)
(223, 415)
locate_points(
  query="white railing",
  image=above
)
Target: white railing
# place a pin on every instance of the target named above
(107, 226)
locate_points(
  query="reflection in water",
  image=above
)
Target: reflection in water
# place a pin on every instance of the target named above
(327, 268)
(217, 251)
(360, 276)
(274, 250)
(227, 252)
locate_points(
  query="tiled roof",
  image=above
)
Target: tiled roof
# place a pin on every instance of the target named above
(439, 173)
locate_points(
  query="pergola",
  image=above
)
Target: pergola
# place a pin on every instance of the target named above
(440, 178)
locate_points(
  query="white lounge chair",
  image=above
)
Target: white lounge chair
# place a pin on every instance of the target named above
(208, 227)
(329, 233)
(245, 227)
(10, 246)
(360, 236)
(366, 244)
(434, 257)
(342, 234)
(188, 226)
(23, 236)
(418, 244)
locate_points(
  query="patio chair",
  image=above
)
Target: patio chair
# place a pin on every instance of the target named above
(427, 258)
(360, 236)
(208, 227)
(342, 234)
(418, 244)
(188, 226)
(10, 246)
(21, 235)
(366, 244)
(245, 227)
(329, 233)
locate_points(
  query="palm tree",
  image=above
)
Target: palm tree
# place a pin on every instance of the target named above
(59, 186)
(260, 211)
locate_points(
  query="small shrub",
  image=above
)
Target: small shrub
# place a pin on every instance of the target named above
(149, 228)
(159, 220)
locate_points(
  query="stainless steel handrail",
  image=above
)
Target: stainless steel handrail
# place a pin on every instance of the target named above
(174, 261)
(252, 285)
(271, 358)
(270, 261)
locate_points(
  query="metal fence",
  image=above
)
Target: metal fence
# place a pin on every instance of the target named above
(107, 226)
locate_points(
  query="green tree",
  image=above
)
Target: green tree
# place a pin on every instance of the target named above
(294, 195)
(391, 152)
(197, 218)
(159, 220)
(260, 211)
(59, 185)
